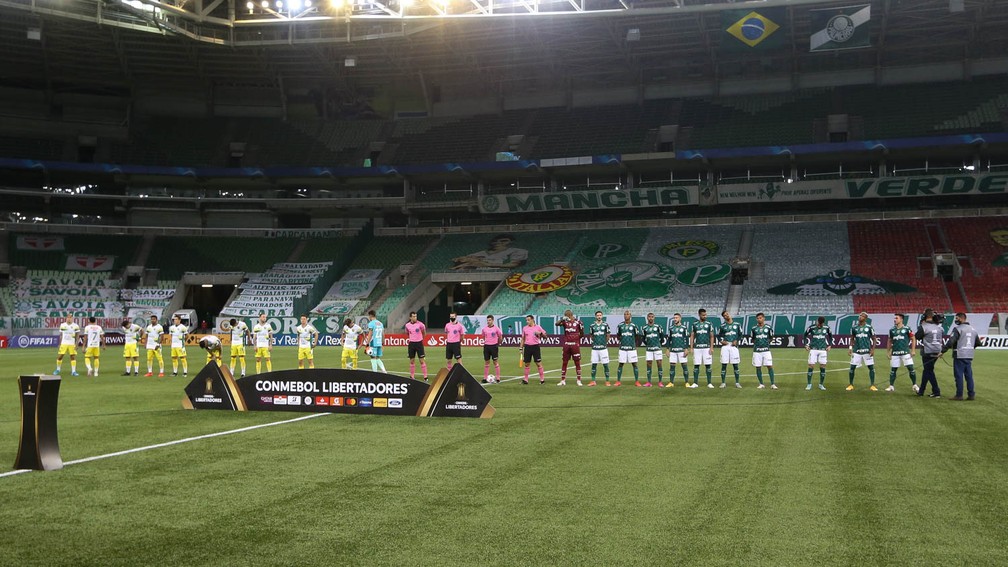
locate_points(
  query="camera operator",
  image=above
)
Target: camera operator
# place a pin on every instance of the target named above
(929, 336)
(963, 340)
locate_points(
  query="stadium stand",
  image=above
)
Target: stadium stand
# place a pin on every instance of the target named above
(175, 255)
(890, 251)
(387, 253)
(790, 253)
(123, 248)
(31, 148)
(984, 261)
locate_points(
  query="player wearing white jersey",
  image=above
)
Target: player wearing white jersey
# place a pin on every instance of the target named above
(131, 333)
(351, 333)
(178, 333)
(152, 342)
(262, 334)
(307, 336)
(239, 334)
(68, 345)
(95, 337)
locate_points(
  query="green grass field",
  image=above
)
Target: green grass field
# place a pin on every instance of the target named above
(597, 476)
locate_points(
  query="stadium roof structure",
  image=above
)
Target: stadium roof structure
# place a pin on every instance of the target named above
(489, 47)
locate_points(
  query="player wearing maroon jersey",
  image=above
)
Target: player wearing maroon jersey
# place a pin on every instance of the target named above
(573, 330)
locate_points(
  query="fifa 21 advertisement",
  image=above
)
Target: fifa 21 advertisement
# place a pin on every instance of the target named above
(453, 393)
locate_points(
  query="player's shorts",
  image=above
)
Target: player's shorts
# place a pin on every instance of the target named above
(627, 356)
(729, 354)
(155, 348)
(571, 351)
(349, 357)
(453, 350)
(130, 351)
(650, 355)
(67, 349)
(898, 359)
(262, 352)
(305, 353)
(178, 352)
(760, 359)
(237, 350)
(415, 349)
(376, 352)
(530, 353)
(817, 357)
(677, 357)
(600, 356)
(857, 360)
(702, 356)
(92, 352)
(491, 352)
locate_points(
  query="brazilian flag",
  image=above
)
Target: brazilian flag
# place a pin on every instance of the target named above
(754, 30)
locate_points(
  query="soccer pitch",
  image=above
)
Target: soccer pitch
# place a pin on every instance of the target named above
(585, 476)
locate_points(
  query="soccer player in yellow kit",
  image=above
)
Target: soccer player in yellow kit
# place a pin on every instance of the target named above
(152, 341)
(351, 333)
(68, 345)
(178, 333)
(262, 333)
(307, 336)
(131, 332)
(95, 337)
(239, 334)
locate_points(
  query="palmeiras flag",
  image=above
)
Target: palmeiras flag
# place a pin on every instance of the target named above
(840, 28)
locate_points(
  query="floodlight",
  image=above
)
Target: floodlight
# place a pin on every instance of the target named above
(250, 5)
(265, 4)
(405, 3)
(294, 4)
(279, 4)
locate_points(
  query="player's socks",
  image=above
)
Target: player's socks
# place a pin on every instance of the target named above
(871, 374)
(892, 376)
(129, 367)
(736, 371)
(423, 368)
(707, 367)
(542, 375)
(73, 366)
(619, 372)
(185, 365)
(648, 373)
(577, 367)
(850, 375)
(174, 366)
(269, 365)
(258, 367)
(96, 364)
(243, 366)
(496, 366)
(526, 373)
(412, 370)
(636, 373)
(724, 372)
(374, 364)
(913, 374)
(770, 370)
(759, 374)
(696, 374)
(671, 373)
(87, 364)
(659, 374)
(594, 370)
(606, 370)
(486, 370)
(809, 377)
(381, 365)
(563, 371)
(685, 373)
(822, 376)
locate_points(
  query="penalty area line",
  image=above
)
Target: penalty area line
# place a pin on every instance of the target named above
(176, 442)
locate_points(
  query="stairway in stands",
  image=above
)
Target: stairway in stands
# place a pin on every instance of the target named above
(952, 288)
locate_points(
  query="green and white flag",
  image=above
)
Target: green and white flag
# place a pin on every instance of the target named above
(840, 28)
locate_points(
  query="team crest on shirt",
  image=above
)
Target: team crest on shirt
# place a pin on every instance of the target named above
(543, 279)
(840, 282)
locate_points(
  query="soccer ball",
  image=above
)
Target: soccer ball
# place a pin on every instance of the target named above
(491, 379)
(367, 351)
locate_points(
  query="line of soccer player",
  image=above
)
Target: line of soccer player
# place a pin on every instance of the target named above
(677, 340)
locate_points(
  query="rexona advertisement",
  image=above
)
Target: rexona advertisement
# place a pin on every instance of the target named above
(453, 393)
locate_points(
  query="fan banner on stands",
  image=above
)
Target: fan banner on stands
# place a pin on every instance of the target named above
(355, 284)
(590, 200)
(138, 314)
(453, 393)
(89, 263)
(840, 28)
(335, 307)
(141, 295)
(39, 243)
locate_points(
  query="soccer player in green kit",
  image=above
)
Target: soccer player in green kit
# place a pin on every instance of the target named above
(862, 350)
(629, 334)
(902, 348)
(599, 331)
(700, 343)
(761, 335)
(729, 333)
(654, 338)
(818, 339)
(678, 349)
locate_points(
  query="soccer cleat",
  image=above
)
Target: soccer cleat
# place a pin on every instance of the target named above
(971, 398)
(160, 374)
(648, 385)
(760, 387)
(562, 383)
(737, 385)
(74, 374)
(148, 375)
(96, 374)
(809, 387)
(637, 383)
(174, 373)
(88, 371)
(723, 385)
(607, 384)
(243, 375)
(485, 381)
(127, 373)
(524, 382)
(891, 388)
(773, 387)
(592, 383)
(916, 388)
(694, 385)
(934, 395)
(821, 387)
(56, 372)
(579, 383)
(618, 383)
(872, 388)
(956, 398)
(185, 374)
(850, 388)
(709, 385)
(541, 382)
